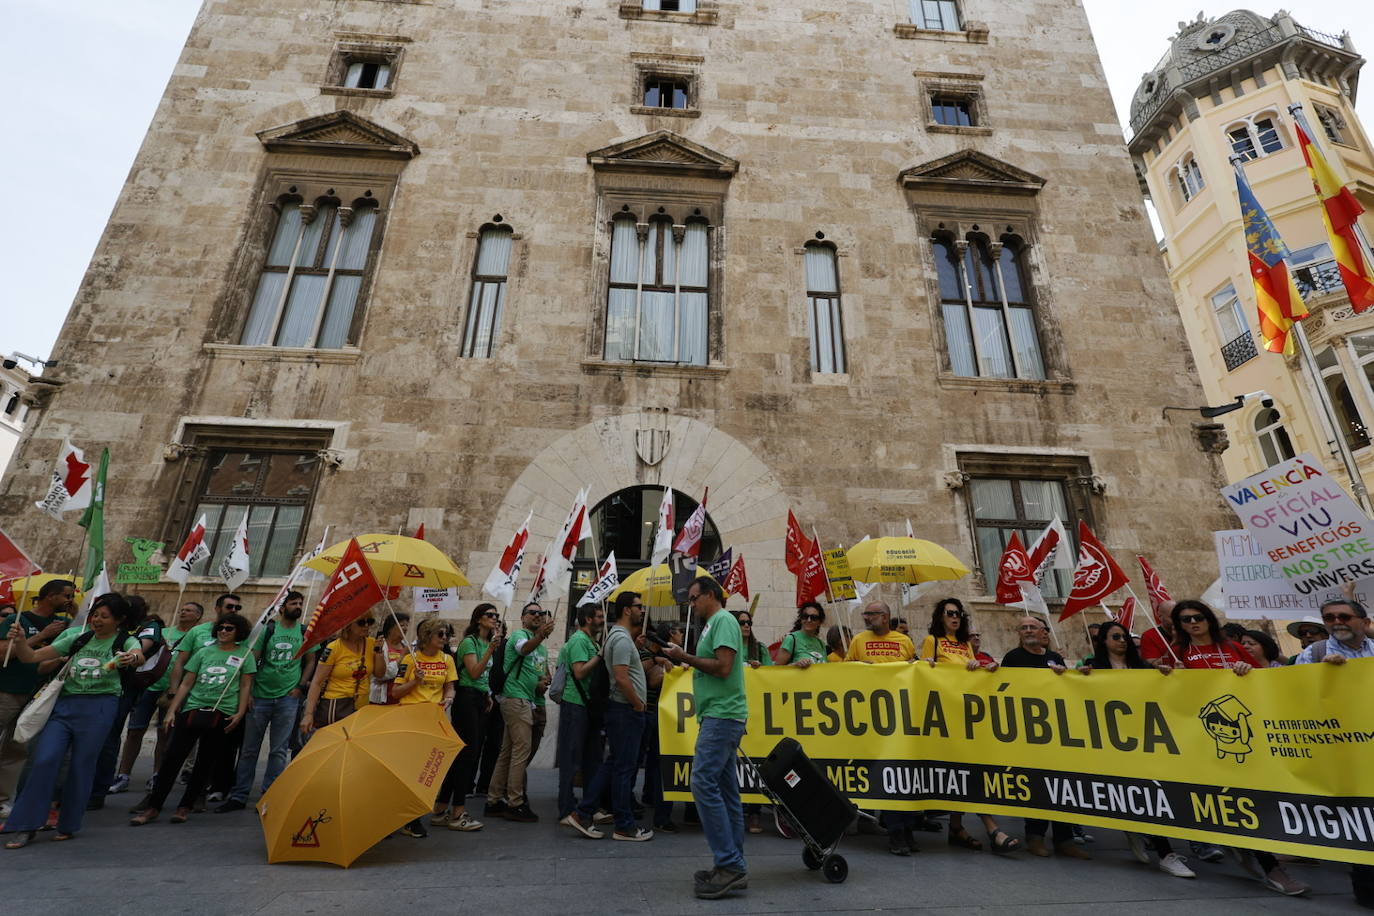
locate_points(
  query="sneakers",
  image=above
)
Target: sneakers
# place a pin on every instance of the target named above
(1137, 843)
(214, 798)
(666, 827)
(416, 829)
(574, 821)
(1207, 852)
(897, 845)
(232, 804)
(1278, 880)
(1173, 864)
(495, 809)
(464, 822)
(152, 781)
(522, 814)
(638, 835)
(718, 882)
(120, 784)
(603, 817)
(1246, 860)
(440, 820)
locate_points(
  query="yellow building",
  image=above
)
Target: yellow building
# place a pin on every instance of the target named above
(1225, 87)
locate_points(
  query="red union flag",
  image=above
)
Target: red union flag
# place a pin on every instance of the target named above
(14, 564)
(688, 541)
(1126, 616)
(1013, 569)
(812, 581)
(70, 487)
(351, 591)
(736, 582)
(1095, 577)
(798, 546)
(192, 551)
(1158, 593)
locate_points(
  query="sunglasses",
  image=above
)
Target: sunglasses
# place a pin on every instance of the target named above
(638, 605)
(538, 613)
(746, 622)
(1343, 618)
(1309, 631)
(812, 617)
(226, 626)
(1192, 618)
(492, 615)
(1117, 637)
(365, 623)
(953, 613)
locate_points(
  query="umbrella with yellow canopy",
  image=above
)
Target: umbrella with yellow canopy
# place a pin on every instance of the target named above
(397, 561)
(356, 781)
(654, 585)
(903, 559)
(26, 588)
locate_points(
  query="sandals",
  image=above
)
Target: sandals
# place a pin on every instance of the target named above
(22, 840)
(146, 816)
(965, 840)
(1006, 844)
(60, 837)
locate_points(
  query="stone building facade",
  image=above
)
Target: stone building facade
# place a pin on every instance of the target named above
(381, 262)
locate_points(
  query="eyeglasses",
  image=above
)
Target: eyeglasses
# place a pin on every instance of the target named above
(1117, 637)
(538, 613)
(365, 623)
(812, 617)
(691, 599)
(873, 613)
(951, 612)
(638, 604)
(1311, 631)
(226, 626)
(1343, 618)
(492, 615)
(1192, 618)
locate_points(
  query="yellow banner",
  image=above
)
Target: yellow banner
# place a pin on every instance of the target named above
(837, 571)
(1276, 760)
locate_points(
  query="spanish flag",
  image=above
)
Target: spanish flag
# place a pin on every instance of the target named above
(1340, 212)
(1280, 303)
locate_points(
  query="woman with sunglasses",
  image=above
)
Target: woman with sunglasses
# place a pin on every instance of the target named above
(427, 675)
(340, 684)
(382, 691)
(80, 719)
(215, 695)
(1117, 651)
(755, 652)
(948, 640)
(1199, 641)
(472, 707)
(803, 646)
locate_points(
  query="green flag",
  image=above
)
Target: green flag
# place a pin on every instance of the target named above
(93, 520)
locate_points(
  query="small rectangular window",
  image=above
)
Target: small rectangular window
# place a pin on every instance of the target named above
(367, 74)
(671, 6)
(272, 488)
(938, 15)
(952, 111)
(665, 93)
(823, 310)
(1269, 138)
(1242, 145)
(1230, 318)
(488, 292)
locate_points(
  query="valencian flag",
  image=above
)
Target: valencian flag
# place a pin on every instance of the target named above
(1280, 304)
(1341, 214)
(1095, 577)
(351, 591)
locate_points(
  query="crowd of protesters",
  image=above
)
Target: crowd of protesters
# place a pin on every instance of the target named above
(215, 699)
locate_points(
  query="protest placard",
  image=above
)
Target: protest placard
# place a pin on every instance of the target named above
(435, 600)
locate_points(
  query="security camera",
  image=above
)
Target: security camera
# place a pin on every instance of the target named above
(1261, 396)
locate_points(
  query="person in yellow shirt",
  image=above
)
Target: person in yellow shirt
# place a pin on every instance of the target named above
(431, 675)
(880, 643)
(340, 683)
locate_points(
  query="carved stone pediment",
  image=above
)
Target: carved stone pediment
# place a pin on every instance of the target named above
(663, 152)
(970, 170)
(339, 133)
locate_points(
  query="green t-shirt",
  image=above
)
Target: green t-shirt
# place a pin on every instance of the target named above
(721, 698)
(217, 674)
(476, 646)
(88, 675)
(759, 653)
(579, 648)
(201, 635)
(523, 672)
(172, 636)
(279, 672)
(800, 645)
(18, 677)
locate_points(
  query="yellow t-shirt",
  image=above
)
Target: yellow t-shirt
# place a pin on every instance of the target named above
(435, 672)
(349, 676)
(950, 650)
(870, 647)
(834, 657)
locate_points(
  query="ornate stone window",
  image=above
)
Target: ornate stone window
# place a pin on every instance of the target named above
(694, 12)
(953, 102)
(1006, 493)
(824, 314)
(662, 197)
(667, 85)
(310, 255)
(363, 68)
(1352, 424)
(488, 298)
(1237, 343)
(1333, 124)
(1255, 136)
(1187, 178)
(943, 19)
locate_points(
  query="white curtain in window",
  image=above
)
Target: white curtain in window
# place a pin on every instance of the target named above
(357, 238)
(681, 6)
(620, 325)
(624, 252)
(694, 256)
(343, 298)
(959, 341)
(383, 76)
(284, 241)
(994, 359)
(493, 253)
(992, 499)
(692, 340)
(656, 326)
(264, 308)
(820, 270)
(302, 305)
(1025, 343)
(354, 75)
(1043, 499)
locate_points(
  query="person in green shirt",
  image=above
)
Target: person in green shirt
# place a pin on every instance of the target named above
(526, 660)
(803, 647)
(472, 705)
(19, 681)
(278, 691)
(153, 703)
(755, 652)
(201, 635)
(577, 744)
(215, 696)
(721, 712)
(80, 720)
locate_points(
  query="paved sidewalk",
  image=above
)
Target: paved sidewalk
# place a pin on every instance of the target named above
(215, 864)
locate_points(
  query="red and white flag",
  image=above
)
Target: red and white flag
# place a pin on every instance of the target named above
(1012, 570)
(193, 550)
(1157, 592)
(607, 578)
(1126, 616)
(798, 546)
(1095, 577)
(551, 578)
(71, 486)
(688, 541)
(812, 581)
(233, 569)
(14, 564)
(500, 582)
(351, 592)
(736, 581)
(1051, 550)
(663, 536)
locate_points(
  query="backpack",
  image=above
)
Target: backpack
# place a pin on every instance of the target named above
(153, 667)
(500, 672)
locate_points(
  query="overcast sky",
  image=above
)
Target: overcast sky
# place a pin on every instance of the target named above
(79, 113)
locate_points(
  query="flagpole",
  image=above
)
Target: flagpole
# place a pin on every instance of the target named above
(1309, 362)
(1168, 645)
(1295, 110)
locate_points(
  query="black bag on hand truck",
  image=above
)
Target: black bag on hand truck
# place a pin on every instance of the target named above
(818, 810)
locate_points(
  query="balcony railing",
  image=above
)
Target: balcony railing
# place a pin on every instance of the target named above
(1239, 351)
(1318, 279)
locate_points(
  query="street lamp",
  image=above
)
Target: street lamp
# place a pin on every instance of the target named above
(1240, 401)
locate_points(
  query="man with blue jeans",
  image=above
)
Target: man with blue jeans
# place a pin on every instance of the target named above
(579, 725)
(278, 689)
(721, 712)
(624, 727)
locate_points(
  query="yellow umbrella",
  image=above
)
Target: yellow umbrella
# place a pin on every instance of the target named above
(654, 584)
(397, 561)
(356, 781)
(903, 559)
(26, 588)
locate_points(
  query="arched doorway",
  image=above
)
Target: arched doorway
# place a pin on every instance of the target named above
(625, 522)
